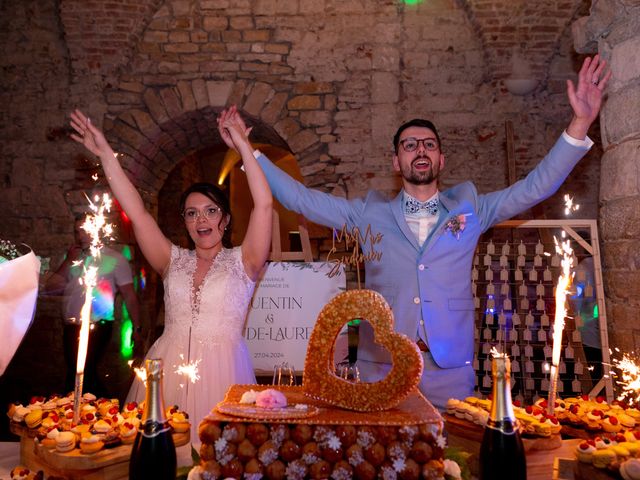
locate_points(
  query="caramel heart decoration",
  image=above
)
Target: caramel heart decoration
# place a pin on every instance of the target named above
(321, 382)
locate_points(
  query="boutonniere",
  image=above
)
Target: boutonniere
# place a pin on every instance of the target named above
(456, 225)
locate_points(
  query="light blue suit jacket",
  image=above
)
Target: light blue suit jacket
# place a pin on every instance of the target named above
(430, 281)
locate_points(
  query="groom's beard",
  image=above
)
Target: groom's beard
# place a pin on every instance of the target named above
(421, 177)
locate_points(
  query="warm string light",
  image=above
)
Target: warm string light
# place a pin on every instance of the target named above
(564, 281)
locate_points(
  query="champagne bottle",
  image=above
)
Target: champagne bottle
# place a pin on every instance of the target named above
(153, 454)
(502, 454)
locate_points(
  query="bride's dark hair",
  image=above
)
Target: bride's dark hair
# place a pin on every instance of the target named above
(218, 197)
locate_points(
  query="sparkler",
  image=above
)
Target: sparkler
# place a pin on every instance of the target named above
(629, 378)
(97, 227)
(140, 372)
(189, 370)
(569, 206)
(564, 280)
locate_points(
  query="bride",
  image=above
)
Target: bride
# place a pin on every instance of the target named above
(207, 290)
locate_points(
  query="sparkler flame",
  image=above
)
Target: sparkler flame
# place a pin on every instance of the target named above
(189, 370)
(569, 206)
(497, 354)
(629, 378)
(564, 281)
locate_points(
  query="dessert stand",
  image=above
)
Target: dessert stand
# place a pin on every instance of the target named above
(106, 464)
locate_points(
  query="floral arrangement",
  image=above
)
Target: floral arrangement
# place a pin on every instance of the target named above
(8, 251)
(456, 225)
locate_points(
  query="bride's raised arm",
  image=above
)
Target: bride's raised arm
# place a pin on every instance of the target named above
(257, 241)
(154, 245)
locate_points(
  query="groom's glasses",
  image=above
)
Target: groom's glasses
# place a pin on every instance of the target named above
(411, 144)
(190, 215)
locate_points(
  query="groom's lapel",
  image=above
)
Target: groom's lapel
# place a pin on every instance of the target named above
(448, 208)
(398, 214)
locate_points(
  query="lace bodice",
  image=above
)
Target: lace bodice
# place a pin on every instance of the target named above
(216, 311)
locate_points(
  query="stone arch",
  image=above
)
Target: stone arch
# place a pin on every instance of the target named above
(173, 122)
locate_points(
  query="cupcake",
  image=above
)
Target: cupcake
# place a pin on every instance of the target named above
(584, 451)
(91, 444)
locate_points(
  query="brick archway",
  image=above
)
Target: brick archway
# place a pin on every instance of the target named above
(178, 121)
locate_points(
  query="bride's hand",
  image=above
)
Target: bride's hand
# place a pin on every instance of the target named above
(232, 128)
(88, 135)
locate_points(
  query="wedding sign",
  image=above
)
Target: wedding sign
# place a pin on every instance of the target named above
(283, 311)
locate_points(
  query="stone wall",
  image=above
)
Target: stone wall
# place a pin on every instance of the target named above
(612, 29)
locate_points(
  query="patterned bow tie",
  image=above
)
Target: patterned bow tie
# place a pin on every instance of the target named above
(412, 206)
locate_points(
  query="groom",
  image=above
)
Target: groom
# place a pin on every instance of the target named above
(429, 237)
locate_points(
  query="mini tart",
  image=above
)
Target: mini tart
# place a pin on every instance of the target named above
(584, 452)
(630, 469)
(611, 424)
(553, 423)
(179, 422)
(602, 442)
(91, 444)
(602, 458)
(128, 433)
(633, 413)
(111, 439)
(130, 410)
(19, 473)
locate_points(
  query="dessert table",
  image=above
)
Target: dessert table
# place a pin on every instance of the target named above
(9, 458)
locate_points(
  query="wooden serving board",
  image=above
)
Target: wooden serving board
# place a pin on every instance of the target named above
(106, 464)
(540, 461)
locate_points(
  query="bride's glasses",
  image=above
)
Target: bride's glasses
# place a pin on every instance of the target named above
(191, 214)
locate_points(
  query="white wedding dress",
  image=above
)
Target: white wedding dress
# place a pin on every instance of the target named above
(204, 326)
